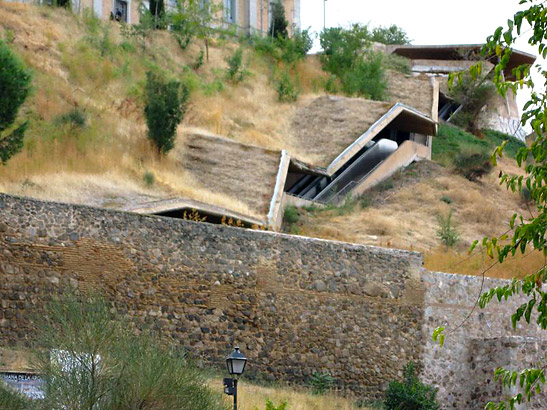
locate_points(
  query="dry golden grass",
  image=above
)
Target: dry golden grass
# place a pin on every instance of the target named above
(448, 260)
(252, 397)
(405, 217)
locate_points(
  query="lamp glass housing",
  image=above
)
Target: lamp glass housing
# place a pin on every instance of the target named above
(235, 362)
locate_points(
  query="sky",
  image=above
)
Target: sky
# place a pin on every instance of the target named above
(425, 21)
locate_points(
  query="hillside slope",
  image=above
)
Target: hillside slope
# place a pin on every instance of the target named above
(86, 68)
(84, 65)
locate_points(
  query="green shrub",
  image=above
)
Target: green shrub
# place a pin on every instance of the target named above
(447, 233)
(100, 40)
(410, 394)
(149, 178)
(347, 56)
(296, 47)
(321, 382)
(398, 63)
(365, 201)
(9, 36)
(473, 164)
(13, 400)
(291, 215)
(236, 70)
(385, 185)
(446, 199)
(199, 60)
(331, 85)
(212, 88)
(342, 47)
(450, 140)
(76, 118)
(287, 91)
(366, 78)
(166, 103)
(127, 46)
(91, 358)
(390, 35)
(266, 46)
(271, 406)
(344, 208)
(15, 84)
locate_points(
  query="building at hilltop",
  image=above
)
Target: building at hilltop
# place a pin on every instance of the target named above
(249, 16)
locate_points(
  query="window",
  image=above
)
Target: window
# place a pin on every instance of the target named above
(120, 10)
(230, 11)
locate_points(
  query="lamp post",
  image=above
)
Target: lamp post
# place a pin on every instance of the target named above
(324, 14)
(235, 362)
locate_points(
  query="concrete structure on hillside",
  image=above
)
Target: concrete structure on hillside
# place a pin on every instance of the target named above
(344, 146)
(500, 114)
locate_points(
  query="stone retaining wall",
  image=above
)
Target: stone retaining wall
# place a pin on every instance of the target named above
(294, 305)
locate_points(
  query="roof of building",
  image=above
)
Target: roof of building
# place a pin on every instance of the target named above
(457, 52)
(415, 91)
(243, 172)
(188, 205)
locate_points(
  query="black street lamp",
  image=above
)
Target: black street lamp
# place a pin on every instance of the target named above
(235, 362)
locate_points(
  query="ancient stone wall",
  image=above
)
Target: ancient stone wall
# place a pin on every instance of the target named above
(477, 340)
(294, 305)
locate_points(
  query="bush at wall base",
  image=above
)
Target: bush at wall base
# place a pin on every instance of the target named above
(410, 394)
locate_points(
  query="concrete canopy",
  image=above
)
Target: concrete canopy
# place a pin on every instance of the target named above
(459, 52)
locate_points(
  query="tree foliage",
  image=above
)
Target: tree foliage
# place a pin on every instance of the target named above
(527, 232)
(165, 107)
(279, 25)
(472, 91)
(390, 35)
(15, 83)
(193, 18)
(347, 55)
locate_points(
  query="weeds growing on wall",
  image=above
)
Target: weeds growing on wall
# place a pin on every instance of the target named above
(410, 394)
(321, 382)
